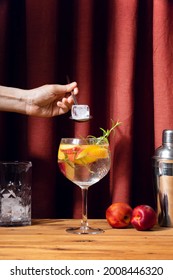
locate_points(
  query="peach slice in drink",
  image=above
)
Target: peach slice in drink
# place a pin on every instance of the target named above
(91, 153)
(67, 169)
(68, 152)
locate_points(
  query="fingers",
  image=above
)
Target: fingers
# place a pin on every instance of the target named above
(67, 100)
(64, 104)
(64, 90)
(71, 86)
(75, 91)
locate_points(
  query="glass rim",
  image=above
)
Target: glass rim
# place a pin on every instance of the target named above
(15, 162)
(76, 140)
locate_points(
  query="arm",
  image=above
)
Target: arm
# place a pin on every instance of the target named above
(12, 99)
(44, 101)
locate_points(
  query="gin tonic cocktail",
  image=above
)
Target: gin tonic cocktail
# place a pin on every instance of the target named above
(84, 162)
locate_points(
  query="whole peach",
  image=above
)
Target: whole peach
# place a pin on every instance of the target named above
(143, 217)
(118, 214)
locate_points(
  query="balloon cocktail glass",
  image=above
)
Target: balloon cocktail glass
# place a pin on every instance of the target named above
(84, 162)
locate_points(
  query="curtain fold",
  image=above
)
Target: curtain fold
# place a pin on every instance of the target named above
(162, 67)
(120, 53)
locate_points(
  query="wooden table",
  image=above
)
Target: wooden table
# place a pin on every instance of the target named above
(47, 239)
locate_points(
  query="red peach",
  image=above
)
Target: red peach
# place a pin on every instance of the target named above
(118, 215)
(143, 217)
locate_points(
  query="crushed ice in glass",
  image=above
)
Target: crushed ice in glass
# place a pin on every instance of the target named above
(15, 205)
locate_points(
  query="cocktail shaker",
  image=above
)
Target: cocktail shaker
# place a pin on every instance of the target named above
(162, 163)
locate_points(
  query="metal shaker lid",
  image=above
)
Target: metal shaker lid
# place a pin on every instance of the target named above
(166, 150)
(167, 136)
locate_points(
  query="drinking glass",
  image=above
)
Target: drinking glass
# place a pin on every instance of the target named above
(84, 162)
(15, 193)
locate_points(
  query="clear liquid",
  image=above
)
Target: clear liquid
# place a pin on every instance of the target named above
(86, 176)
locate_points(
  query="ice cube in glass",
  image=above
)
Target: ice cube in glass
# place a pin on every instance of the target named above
(15, 193)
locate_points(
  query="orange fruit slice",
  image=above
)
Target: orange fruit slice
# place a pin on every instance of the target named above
(91, 153)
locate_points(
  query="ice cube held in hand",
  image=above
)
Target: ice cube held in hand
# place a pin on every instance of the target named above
(79, 112)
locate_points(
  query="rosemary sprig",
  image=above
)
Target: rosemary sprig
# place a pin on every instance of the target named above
(106, 133)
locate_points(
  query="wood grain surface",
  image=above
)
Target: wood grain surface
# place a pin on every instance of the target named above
(48, 240)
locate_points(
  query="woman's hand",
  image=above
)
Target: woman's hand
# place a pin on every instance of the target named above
(50, 100)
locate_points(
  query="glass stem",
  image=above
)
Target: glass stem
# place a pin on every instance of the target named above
(84, 222)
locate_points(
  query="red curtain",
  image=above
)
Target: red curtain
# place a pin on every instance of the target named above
(120, 53)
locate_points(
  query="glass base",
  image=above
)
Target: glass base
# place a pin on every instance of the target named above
(84, 230)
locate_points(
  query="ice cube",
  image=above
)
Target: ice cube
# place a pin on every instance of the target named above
(13, 212)
(79, 112)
